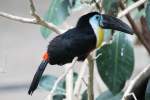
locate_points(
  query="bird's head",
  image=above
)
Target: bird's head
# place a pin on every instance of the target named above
(98, 22)
(103, 21)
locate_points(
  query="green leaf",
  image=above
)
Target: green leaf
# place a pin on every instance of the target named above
(56, 14)
(107, 95)
(47, 83)
(58, 11)
(148, 14)
(147, 93)
(85, 95)
(107, 35)
(111, 7)
(59, 97)
(129, 2)
(116, 62)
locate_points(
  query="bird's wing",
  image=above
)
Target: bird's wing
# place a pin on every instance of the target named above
(65, 47)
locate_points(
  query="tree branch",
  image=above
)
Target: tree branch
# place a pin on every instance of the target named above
(32, 7)
(130, 8)
(137, 82)
(36, 20)
(60, 78)
(99, 7)
(40, 21)
(17, 18)
(145, 34)
(69, 83)
(78, 83)
(90, 79)
(136, 29)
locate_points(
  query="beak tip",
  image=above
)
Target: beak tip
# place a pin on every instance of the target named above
(111, 22)
(131, 32)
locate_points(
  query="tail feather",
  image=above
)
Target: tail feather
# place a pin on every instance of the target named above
(37, 77)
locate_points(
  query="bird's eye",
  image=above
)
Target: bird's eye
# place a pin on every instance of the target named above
(97, 17)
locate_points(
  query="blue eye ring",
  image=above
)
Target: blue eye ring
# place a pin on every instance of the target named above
(97, 17)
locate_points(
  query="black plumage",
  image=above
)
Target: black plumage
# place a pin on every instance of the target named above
(79, 41)
(76, 42)
(73, 43)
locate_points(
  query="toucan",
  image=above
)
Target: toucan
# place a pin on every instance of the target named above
(79, 41)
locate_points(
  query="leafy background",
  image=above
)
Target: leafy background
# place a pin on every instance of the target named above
(26, 38)
(116, 62)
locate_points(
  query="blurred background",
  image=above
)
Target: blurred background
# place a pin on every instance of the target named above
(21, 47)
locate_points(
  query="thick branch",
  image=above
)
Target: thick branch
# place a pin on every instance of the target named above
(90, 79)
(130, 8)
(145, 34)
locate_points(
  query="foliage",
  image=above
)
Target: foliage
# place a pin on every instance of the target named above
(107, 95)
(115, 64)
(111, 7)
(148, 14)
(59, 97)
(47, 82)
(136, 13)
(58, 11)
(147, 93)
(85, 95)
(115, 61)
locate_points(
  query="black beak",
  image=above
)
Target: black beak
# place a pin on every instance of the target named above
(110, 22)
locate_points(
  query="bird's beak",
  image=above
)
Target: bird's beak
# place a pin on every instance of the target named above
(110, 22)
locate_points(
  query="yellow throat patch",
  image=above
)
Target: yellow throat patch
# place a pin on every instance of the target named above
(100, 37)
